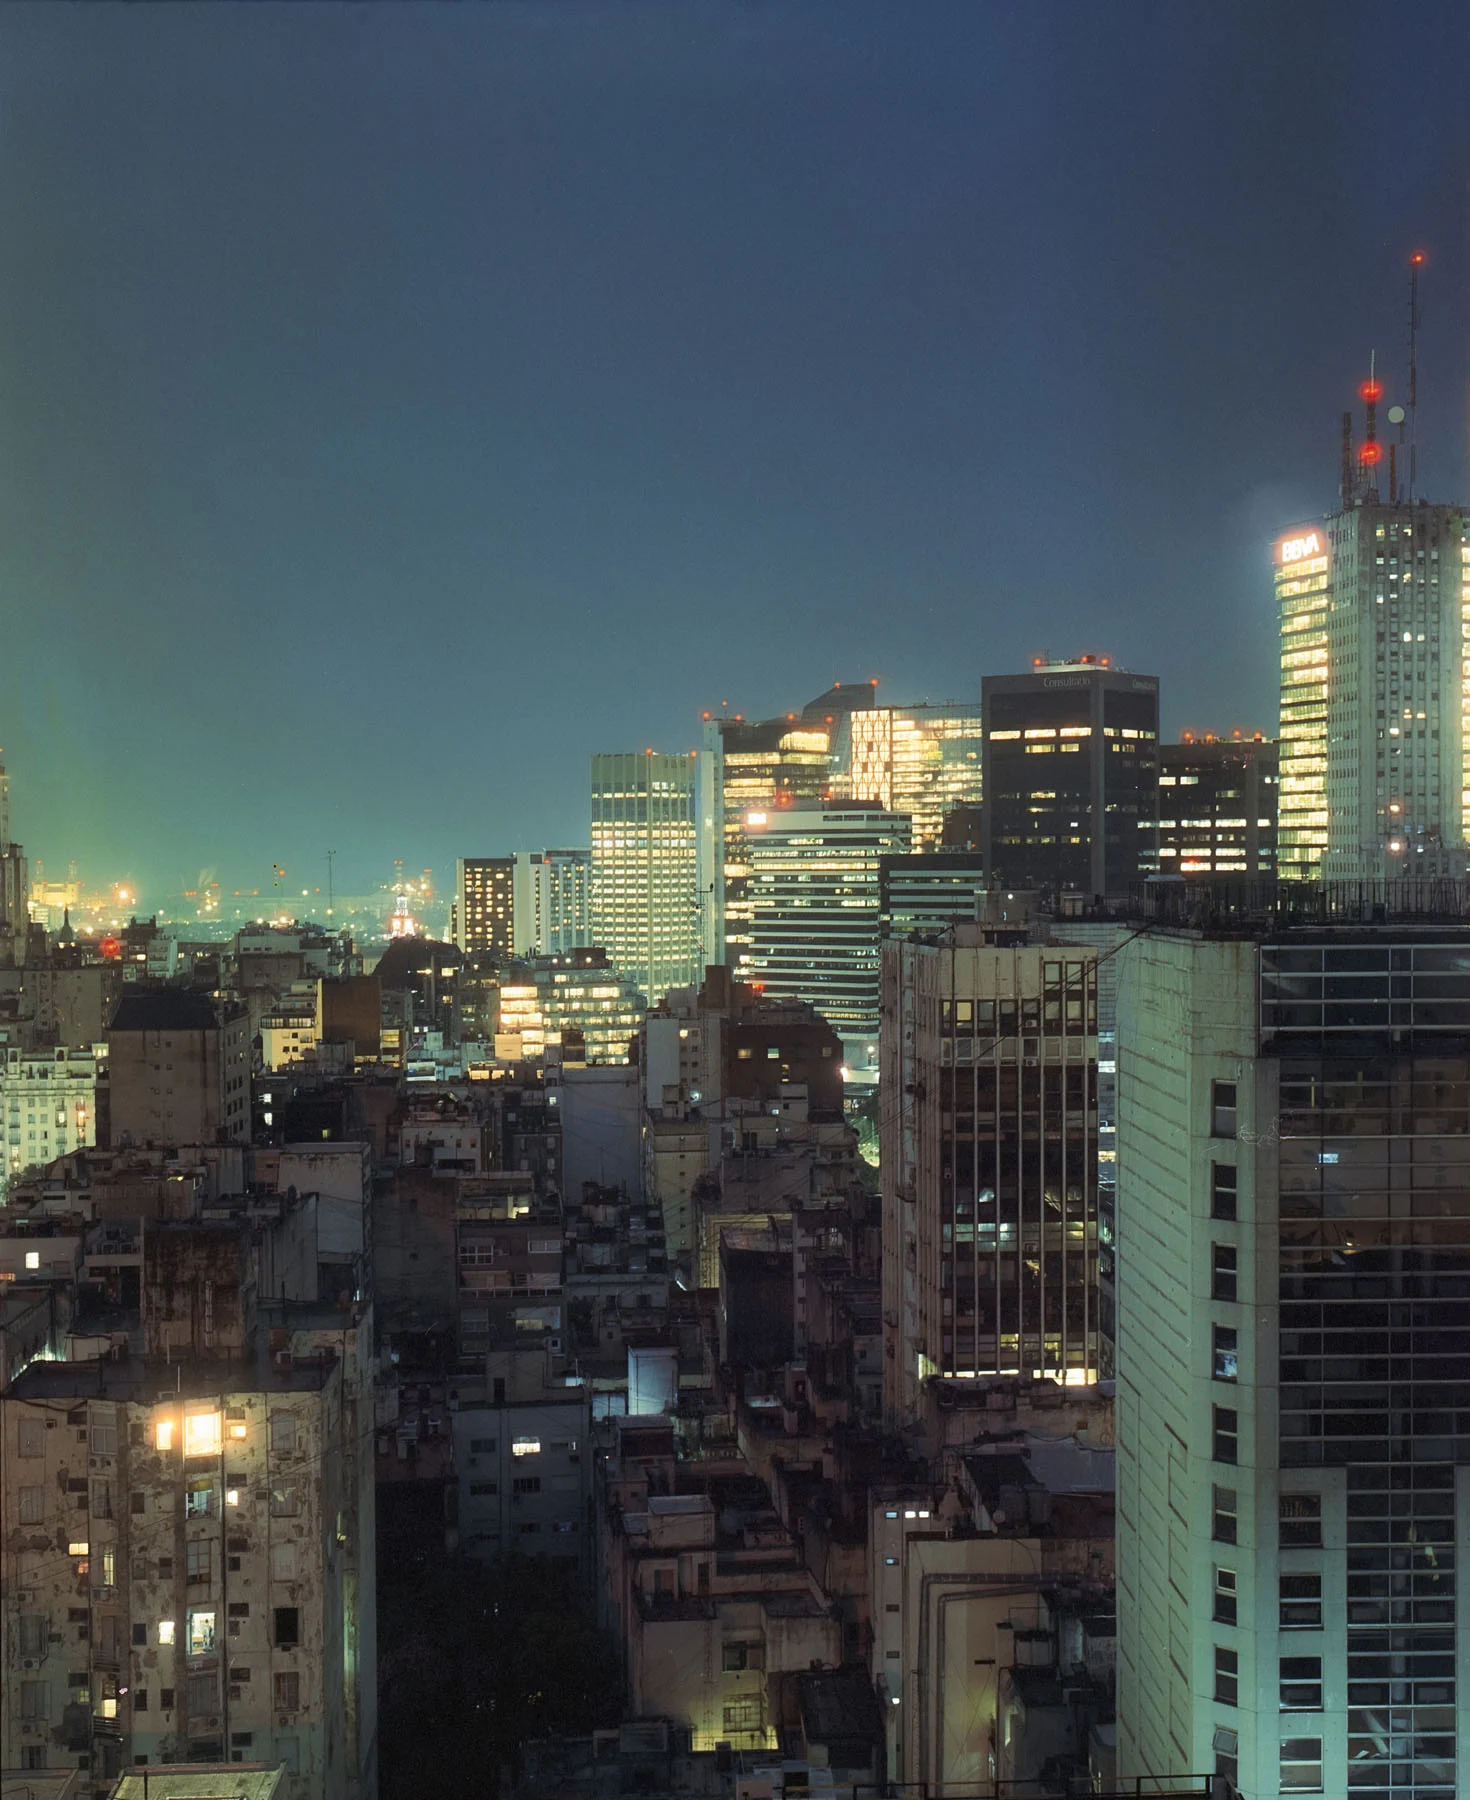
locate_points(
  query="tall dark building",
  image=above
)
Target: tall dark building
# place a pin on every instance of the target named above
(926, 893)
(1217, 809)
(1071, 774)
(989, 1161)
(484, 904)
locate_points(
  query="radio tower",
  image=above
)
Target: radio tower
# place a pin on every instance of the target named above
(1416, 262)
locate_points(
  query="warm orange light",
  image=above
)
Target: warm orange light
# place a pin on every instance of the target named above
(1371, 454)
(1417, 258)
(1370, 390)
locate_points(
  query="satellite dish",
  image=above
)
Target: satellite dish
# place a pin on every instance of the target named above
(1395, 415)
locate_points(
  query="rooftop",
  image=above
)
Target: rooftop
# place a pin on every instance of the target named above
(201, 1781)
(164, 1009)
(144, 1382)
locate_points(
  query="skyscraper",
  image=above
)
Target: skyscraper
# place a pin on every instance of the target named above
(748, 768)
(1071, 777)
(1374, 605)
(816, 907)
(551, 902)
(484, 899)
(921, 760)
(645, 875)
(989, 1161)
(1294, 1352)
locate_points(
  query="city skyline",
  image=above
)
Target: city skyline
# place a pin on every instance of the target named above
(957, 294)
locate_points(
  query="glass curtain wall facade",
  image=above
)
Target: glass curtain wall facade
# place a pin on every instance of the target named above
(990, 1163)
(1373, 1245)
(919, 760)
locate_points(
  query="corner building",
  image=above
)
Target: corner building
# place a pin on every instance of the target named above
(1294, 1356)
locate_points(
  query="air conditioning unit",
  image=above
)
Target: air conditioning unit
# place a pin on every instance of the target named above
(31, 1662)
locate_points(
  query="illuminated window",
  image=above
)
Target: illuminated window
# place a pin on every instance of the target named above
(236, 1422)
(202, 1435)
(201, 1633)
(165, 1631)
(525, 1446)
(33, 1259)
(79, 1547)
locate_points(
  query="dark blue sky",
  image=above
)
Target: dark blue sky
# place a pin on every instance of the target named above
(402, 402)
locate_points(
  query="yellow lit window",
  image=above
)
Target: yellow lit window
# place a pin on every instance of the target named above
(80, 1548)
(165, 1631)
(202, 1434)
(163, 1434)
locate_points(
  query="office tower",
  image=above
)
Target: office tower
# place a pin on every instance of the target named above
(926, 893)
(645, 878)
(484, 901)
(1071, 777)
(989, 1161)
(750, 767)
(921, 760)
(1375, 753)
(551, 902)
(1294, 1352)
(576, 1002)
(1217, 809)
(815, 911)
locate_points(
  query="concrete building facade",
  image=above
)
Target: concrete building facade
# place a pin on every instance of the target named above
(1293, 1355)
(48, 1106)
(178, 1071)
(551, 902)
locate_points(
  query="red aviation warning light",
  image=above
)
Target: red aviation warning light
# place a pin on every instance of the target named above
(1370, 390)
(110, 948)
(1370, 454)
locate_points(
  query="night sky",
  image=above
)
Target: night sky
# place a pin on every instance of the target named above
(401, 402)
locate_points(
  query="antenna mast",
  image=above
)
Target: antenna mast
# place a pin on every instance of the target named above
(1416, 262)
